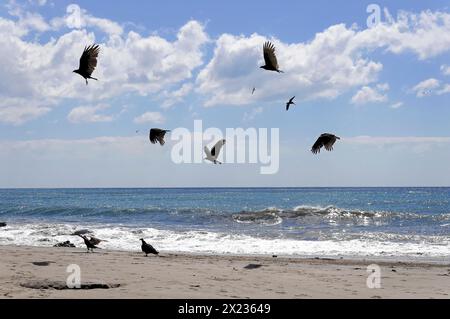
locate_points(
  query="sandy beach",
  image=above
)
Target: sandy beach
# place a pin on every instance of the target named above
(31, 272)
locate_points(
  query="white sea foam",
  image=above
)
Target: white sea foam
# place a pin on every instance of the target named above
(126, 238)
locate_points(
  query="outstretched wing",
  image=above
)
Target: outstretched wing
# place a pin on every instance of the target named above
(317, 145)
(216, 149)
(269, 55)
(157, 135)
(207, 152)
(88, 60)
(329, 141)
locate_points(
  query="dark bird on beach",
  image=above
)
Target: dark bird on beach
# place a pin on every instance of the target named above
(95, 241)
(291, 102)
(88, 62)
(88, 243)
(147, 248)
(253, 91)
(325, 140)
(157, 135)
(270, 59)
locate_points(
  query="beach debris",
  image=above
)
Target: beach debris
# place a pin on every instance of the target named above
(147, 248)
(88, 62)
(42, 263)
(270, 59)
(326, 140)
(157, 135)
(253, 266)
(2, 224)
(65, 244)
(215, 151)
(90, 246)
(63, 285)
(289, 103)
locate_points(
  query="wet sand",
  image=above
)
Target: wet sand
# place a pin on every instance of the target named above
(31, 272)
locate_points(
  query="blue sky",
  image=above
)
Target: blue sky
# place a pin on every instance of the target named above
(384, 90)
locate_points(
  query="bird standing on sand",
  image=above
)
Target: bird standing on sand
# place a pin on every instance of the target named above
(291, 102)
(270, 59)
(88, 243)
(215, 151)
(147, 248)
(88, 62)
(95, 241)
(325, 140)
(157, 135)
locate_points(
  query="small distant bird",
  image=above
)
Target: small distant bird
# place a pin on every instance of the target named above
(89, 245)
(291, 102)
(214, 153)
(270, 59)
(147, 248)
(137, 131)
(88, 62)
(325, 140)
(253, 91)
(157, 135)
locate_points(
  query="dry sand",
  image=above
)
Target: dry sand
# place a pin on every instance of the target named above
(203, 276)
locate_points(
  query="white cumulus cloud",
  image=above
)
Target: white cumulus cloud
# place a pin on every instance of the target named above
(336, 60)
(150, 117)
(89, 114)
(370, 95)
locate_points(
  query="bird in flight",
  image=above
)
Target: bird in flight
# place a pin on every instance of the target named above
(214, 153)
(253, 91)
(325, 140)
(157, 135)
(147, 248)
(270, 59)
(291, 102)
(88, 62)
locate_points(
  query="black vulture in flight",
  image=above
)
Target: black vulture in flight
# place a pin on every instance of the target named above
(270, 59)
(157, 135)
(88, 62)
(291, 102)
(147, 248)
(325, 140)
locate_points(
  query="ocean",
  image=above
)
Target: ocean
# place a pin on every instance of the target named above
(309, 222)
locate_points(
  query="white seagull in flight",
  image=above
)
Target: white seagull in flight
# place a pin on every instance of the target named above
(214, 153)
